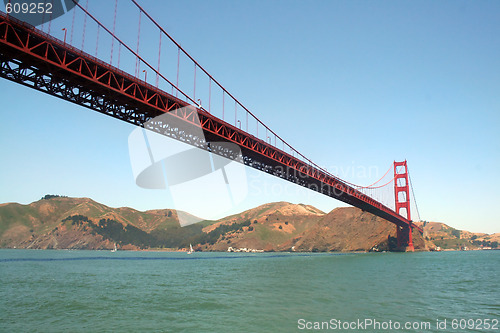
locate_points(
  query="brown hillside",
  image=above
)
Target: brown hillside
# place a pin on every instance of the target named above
(288, 227)
(40, 224)
(349, 229)
(271, 225)
(440, 235)
(81, 223)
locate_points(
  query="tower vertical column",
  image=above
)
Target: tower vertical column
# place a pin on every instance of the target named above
(402, 200)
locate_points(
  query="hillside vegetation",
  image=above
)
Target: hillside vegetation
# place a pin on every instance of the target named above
(440, 235)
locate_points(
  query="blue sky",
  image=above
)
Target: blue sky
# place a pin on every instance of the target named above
(354, 85)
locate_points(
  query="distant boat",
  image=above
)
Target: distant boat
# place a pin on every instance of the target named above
(190, 249)
(114, 250)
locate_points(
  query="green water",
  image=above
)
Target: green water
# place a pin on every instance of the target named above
(98, 291)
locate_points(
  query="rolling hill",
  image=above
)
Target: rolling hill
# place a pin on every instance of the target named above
(82, 223)
(440, 235)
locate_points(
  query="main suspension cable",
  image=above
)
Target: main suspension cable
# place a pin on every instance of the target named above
(413, 193)
(370, 186)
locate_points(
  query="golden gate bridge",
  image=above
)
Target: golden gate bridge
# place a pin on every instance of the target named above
(35, 58)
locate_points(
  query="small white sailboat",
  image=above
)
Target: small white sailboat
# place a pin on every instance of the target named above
(190, 249)
(114, 250)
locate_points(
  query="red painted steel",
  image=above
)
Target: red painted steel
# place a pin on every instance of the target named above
(33, 47)
(402, 200)
(401, 186)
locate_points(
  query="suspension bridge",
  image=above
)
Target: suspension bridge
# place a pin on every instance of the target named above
(34, 57)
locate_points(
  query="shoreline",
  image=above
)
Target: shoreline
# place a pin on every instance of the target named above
(264, 252)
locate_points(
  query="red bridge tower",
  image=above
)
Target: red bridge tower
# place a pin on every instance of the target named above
(402, 197)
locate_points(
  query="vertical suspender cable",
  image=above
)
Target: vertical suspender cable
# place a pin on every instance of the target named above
(194, 88)
(137, 63)
(50, 22)
(114, 30)
(84, 23)
(72, 27)
(209, 94)
(97, 41)
(43, 19)
(119, 53)
(159, 56)
(178, 64)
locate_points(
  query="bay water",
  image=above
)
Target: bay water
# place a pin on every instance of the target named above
(101, 291)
